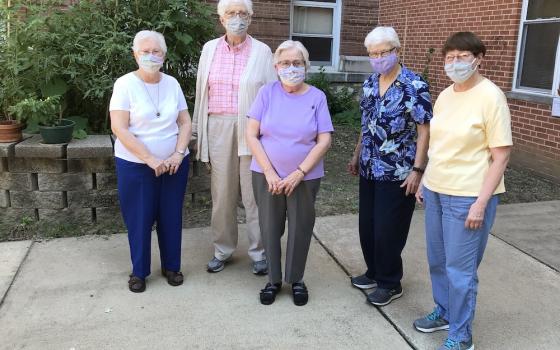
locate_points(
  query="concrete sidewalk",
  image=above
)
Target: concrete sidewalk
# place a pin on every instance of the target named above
(72, 294)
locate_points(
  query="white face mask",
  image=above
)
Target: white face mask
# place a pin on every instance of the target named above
(291, 75)
(237, 25)
(459, 71)
(150, 63)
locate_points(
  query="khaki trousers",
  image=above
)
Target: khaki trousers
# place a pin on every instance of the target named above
(231, 176)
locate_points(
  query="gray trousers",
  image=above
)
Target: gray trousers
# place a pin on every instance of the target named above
(300, 210)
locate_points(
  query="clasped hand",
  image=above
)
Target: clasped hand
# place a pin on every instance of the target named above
(170, 165)
(287, 185)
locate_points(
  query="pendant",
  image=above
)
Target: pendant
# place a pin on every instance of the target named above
(158, 114)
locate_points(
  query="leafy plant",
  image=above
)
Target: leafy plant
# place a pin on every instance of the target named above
(342, 101)
(426, 70)
(34, 111)
(80, 50)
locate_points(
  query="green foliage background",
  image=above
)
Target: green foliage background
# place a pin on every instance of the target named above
(79, 51)
(343, 101)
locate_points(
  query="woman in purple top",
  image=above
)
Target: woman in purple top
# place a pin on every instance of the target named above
(289, 132)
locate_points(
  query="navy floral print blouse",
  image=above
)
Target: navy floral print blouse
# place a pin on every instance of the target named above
(389, 125)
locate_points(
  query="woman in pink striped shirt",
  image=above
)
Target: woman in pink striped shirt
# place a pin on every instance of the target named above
(231, 71)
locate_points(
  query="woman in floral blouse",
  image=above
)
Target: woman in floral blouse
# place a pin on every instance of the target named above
(390, 158)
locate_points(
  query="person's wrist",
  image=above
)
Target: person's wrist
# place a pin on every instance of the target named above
(418, 170)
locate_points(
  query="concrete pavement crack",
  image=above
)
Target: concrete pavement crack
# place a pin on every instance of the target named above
(16, 274)
(525, 252)
(380, 310)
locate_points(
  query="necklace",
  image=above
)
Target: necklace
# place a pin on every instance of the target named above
(156, 106)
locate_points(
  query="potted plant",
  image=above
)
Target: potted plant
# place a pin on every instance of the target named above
(46, 116)
(10, 130)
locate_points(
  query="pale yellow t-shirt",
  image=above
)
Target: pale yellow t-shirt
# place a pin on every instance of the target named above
(464, 128)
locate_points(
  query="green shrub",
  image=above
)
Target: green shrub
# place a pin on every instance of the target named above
(343, 101)
(79, 51)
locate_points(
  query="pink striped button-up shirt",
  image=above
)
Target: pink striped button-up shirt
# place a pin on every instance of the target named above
(223, 82)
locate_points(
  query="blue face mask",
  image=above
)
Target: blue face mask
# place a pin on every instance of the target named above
(292, 75)
(459, 71)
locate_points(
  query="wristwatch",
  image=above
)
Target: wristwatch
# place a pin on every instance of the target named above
(418, 170)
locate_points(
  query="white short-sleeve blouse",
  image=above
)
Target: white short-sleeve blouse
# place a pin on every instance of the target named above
(143, 101)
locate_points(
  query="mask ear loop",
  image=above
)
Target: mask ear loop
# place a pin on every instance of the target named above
(478, 65)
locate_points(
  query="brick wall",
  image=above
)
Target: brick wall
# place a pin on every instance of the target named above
(425, 24)
(271, 23)
(359, 17)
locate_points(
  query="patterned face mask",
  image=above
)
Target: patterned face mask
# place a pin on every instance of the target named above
(237, 25)
(150, 63)
(291, 75)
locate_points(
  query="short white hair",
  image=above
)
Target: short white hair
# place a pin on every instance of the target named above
(224, 4)
(149, 34)
(292, 44)
(382, 35)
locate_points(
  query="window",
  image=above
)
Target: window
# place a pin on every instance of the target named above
(317, 25)
(538, 56)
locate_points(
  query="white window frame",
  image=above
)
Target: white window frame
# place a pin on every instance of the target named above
(521, 50)
(337, 17)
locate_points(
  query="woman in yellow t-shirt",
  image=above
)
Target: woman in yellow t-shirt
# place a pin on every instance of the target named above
(469, 148)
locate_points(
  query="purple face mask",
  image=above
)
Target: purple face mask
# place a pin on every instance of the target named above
(383, 65)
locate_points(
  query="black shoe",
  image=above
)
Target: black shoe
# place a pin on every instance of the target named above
(363, 282)
(173, 278)
(136, 284)
(268, 294)
(300, 294)
(382, 296)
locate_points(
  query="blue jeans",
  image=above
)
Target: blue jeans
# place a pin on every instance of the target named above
(454, 254)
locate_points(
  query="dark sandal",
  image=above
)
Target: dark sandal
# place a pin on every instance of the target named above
(173, 278)
(268, 294)
(136, 284)
(300, 293)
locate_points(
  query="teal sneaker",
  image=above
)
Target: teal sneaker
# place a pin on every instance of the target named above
(456, 345)
(431, 322)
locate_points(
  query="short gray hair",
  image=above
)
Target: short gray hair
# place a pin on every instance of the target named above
(382, 35)
(224, 4)
(149, 34)
(292, 44)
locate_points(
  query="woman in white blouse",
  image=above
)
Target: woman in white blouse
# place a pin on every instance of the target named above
(149, 116)
(231, 70)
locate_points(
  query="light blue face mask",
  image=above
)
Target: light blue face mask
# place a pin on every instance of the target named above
(292, 75)
(459, 71)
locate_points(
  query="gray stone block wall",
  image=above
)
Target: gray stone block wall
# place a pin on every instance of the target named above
(70, 184)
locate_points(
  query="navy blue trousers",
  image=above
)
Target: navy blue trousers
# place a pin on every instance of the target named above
(146, 199)
(384, 221)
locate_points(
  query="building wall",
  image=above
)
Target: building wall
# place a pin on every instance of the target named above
(425, 24)
(271, 23)
(359, 17)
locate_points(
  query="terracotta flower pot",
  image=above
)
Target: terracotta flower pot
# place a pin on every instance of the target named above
(10, 131)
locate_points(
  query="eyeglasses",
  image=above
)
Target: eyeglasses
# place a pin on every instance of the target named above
(153, 52)
(464, 57)
(381, 53)
(296, 63)
(241, 14)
